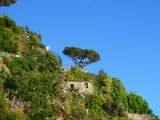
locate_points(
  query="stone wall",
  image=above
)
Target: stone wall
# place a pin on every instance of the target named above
(138, 117)
(9, 54)
(83, 87)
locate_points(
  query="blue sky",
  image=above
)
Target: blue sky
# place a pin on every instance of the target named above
(126, 33)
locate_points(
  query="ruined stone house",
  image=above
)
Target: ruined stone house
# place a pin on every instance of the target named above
(82, 86)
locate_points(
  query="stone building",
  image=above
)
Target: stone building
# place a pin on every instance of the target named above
(82, 86)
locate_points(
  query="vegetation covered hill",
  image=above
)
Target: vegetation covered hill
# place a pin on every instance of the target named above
(31, 84)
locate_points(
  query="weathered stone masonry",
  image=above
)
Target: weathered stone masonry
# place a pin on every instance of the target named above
(82, 86)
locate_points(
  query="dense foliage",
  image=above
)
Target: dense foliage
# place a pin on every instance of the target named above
(35, 76)
(8, 30)
(119, 92)
(77, 73)
(7, 42)
(137, 104)
(81, 57)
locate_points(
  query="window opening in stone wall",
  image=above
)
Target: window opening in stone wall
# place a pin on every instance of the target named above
(86, 85)
(72, 86)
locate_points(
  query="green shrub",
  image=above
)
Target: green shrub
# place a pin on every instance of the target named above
(76, 73)
(137, 104)
(7, 42)
(94, 106)
(118, 92)
(7, 22)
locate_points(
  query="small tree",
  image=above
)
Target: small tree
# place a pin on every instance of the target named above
(81, 57)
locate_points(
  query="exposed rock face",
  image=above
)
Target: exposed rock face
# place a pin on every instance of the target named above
(6, 54)
(13, 104)
(4, 67)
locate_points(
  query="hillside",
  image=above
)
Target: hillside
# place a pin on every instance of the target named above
(33, 84)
